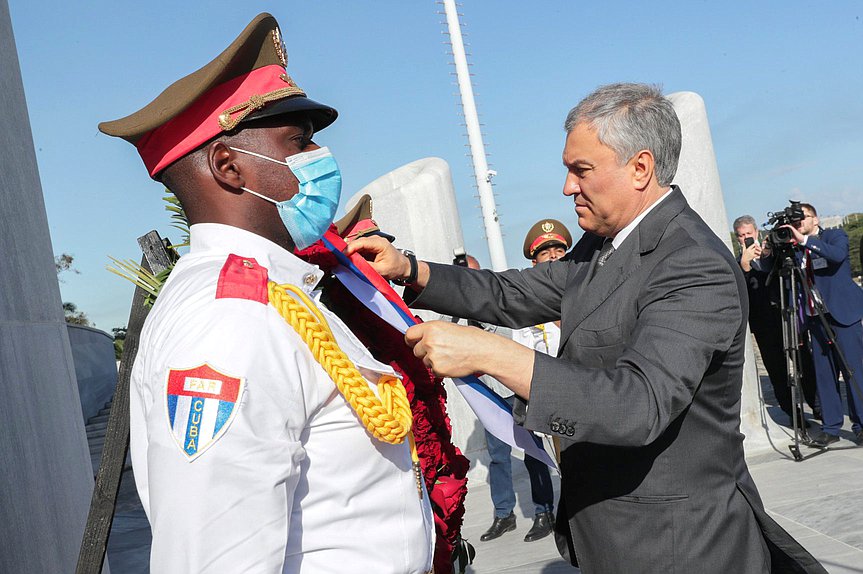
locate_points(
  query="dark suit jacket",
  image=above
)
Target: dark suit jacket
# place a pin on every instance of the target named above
(645, 395)
(832, 269)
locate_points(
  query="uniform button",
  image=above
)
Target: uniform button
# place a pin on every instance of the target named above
(570, 430)
(309, 279)
(248, 263)
(555, 426)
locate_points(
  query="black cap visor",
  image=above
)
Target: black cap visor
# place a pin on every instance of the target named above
(321, 115)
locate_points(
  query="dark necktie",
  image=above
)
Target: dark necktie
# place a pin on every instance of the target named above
(604, 253)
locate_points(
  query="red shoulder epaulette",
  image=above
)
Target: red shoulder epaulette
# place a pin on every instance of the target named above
(243, 278)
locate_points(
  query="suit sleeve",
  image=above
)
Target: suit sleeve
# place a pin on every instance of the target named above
(832, 246)
(689, 312)
(510, 298)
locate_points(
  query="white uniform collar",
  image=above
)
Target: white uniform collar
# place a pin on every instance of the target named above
(283, 266)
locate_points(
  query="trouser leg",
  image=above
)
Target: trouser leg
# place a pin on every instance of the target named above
(541, 489)
(850, 341)
(772, 350)
(826, 380)
(808, 378)
(500, 476)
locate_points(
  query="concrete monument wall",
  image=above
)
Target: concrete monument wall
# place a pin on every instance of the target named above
(45, 473)
(416, 203)
(95, 367)
(698, 178)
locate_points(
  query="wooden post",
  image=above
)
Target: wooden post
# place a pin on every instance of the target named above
(94, 544)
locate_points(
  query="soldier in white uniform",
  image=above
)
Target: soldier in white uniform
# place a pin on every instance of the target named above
(547, 240)
(247, 455)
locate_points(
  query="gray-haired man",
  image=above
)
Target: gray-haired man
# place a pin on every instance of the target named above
(645, 391)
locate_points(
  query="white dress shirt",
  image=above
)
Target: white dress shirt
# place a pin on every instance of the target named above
(293, 482)
(624, 233)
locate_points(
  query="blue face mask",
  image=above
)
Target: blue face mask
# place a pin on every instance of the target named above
(310, 212)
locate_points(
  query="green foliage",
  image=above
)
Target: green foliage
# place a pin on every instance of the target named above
(178, 216)
(150, 282)
(63, 262)
(119, 341)
(134, 272)
(735, 245)
(73, 316)
(854, 228)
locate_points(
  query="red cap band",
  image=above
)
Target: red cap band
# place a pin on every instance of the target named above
(545, 238)
(200, 121)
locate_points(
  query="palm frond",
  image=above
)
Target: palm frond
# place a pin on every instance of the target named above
(140, 276)
(179, 220)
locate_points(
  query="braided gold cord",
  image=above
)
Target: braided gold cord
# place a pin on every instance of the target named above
(227, 120)
(389, 418)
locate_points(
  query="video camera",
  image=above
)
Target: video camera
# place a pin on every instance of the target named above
(459, 257)
(779, 235)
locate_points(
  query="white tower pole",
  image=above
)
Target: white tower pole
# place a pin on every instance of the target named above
(481, 171)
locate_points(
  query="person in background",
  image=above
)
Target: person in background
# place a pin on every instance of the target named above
(500, 466)
(765, 320)
(825, 259)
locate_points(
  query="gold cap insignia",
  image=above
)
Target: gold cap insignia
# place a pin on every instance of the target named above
(281, 51)
(548, 227)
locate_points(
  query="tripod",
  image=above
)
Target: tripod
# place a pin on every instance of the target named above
(790, 276)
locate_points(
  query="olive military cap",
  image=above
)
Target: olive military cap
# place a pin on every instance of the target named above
(358, 222)
(247, 81)
(545, 233)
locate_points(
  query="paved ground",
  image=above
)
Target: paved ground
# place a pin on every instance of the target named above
(819, 501)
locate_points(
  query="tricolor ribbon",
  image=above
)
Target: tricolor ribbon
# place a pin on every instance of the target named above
(378, 296)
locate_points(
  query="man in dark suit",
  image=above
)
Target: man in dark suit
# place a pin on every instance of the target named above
(645, 391)
(826, 262)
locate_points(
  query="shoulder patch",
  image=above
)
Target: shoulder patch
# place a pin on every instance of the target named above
(201, 403)
(242, 278)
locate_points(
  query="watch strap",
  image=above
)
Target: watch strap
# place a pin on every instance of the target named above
(414, 270)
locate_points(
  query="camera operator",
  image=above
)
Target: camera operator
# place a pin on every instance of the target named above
(765, 320)
(824, 257)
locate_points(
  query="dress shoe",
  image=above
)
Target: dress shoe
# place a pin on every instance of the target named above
(823, 440)
(499, 527)
(541, 528)
(858, 438)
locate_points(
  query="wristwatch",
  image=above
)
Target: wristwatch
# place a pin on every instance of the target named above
(412, 276)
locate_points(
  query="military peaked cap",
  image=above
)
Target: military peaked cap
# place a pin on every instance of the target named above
(358, 222)
(545, 233)
(247, 81)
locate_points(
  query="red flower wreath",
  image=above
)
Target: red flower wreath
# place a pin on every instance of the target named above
(444, 466)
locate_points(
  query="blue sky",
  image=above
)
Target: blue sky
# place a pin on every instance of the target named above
(782, 83)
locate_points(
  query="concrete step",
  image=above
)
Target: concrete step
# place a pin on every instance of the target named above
(98, 419)
(96, 426)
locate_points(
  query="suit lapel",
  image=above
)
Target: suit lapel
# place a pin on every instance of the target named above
(584, 297)
(591, 294)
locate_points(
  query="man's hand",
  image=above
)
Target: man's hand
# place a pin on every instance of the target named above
(799, 238)
(748, 254)
(388, 261)
(452, 350)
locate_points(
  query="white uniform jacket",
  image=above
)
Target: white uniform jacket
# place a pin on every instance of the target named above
(246, 456)
(544, 338)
